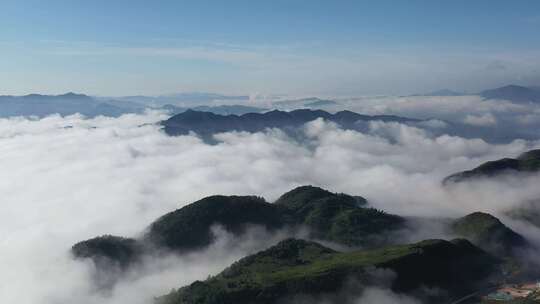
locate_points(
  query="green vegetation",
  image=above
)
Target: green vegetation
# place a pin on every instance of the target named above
(108, 250)
(339, 217)
(530, 161)
(188, 228)
(299, 267)
(526, 163)
(329, 216)
(489, 233)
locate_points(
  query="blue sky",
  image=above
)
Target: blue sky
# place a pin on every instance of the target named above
(267, 47)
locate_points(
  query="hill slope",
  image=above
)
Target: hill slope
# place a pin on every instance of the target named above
(527, 162)
(339, 217)
(295, 267)
(189, 227)
(489, 233)
(329, 216)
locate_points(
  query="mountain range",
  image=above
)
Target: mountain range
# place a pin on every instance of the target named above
(514, 93)
(333, 217)
(66, 104)
(90, 106)
(306, 267)
(311, 103)
(219, 110)
(442, 93)
(206, 124)
(187, 99)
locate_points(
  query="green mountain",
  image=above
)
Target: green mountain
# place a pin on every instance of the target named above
(189, 227)
(489, 233)
(339, 217)
(295, 267)
(334, 217)
(527, 162)
(108, 250)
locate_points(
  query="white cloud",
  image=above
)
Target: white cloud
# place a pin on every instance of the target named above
(69, 179)
(267, 68)
(484, 120)
(384, 296)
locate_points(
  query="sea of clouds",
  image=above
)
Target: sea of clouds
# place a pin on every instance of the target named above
(66, 179)
(469, 116)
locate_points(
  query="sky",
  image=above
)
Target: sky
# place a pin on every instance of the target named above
(327, 48)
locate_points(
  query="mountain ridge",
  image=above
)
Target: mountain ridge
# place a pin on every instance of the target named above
(514, 93)
(206, 124)
(295, 267)
(527, 162)
(332, 217)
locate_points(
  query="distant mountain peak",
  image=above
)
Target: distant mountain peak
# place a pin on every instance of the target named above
(445, 92)
(514, 93)
(64, 104)
(73, 95)
(442, 93)
(309, 102)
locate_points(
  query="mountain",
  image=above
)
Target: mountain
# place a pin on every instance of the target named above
(189, 227)
(220, 110)
(305, 267)
(513, 93)
(527, 162)
(320, 103)
(339, 217)
(333, 217)
(443, 92)
(489, 233)
(206, 124)
(311, 102)
(106, 251)
(186, 99)
(446, 92)
(295, 267)
(66, 104)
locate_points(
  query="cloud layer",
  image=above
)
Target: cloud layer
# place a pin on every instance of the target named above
(69, 179)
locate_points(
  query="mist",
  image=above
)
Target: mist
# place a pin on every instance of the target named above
(471, 116)
(67, 179)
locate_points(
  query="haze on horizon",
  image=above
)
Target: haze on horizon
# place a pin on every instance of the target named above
(338, 48)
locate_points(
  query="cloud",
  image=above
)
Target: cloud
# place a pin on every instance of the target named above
(484, 120)
(496, 66)
(69, 179)
(384, 296)
(465, 116)
(294, 68)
